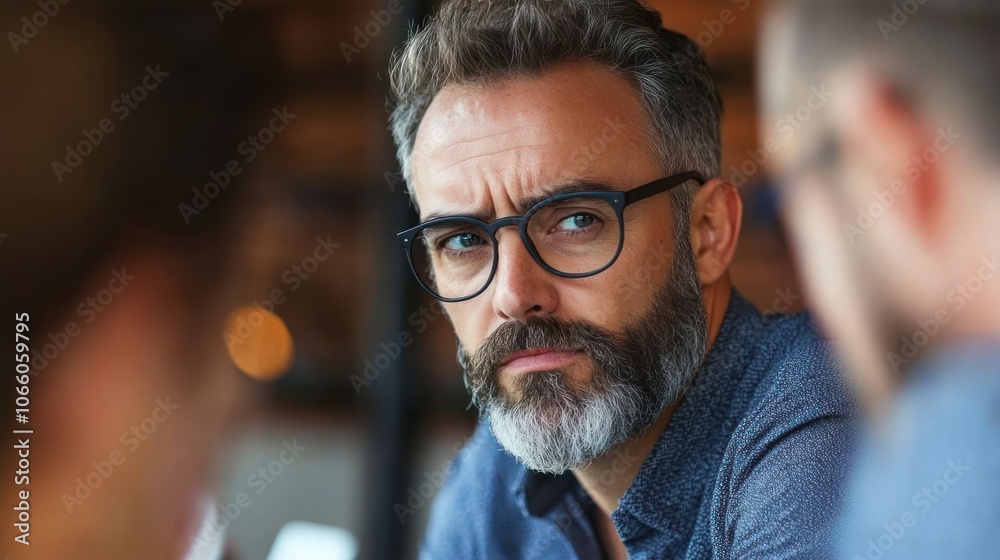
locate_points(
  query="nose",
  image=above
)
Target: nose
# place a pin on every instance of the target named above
(522, 288)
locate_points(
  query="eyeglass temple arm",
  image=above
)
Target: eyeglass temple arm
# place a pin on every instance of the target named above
(661, 185)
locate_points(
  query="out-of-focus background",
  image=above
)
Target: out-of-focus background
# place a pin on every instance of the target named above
(295, 93)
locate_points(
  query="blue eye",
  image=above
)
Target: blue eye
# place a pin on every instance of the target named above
(576, 221)
(462, 241)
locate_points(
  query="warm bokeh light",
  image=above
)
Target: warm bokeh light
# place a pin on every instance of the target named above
(258, 342)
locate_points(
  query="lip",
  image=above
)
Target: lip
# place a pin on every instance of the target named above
(539, 359)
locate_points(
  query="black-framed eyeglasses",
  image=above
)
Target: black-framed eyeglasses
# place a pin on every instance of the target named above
(571, 235)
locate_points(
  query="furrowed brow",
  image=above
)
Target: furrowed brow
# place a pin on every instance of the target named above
(524, 204)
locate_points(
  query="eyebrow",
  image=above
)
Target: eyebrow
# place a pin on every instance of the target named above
(525, 204)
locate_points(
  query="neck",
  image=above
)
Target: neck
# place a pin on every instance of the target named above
(607, 477)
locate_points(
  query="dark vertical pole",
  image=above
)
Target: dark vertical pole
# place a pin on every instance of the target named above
(392, 420)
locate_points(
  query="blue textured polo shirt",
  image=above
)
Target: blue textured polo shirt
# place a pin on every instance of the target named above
(928, 486)
(750, 466)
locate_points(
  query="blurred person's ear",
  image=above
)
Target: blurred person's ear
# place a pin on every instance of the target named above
(893, 174)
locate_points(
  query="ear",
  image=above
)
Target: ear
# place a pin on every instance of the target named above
(894, 155)
(716, 217)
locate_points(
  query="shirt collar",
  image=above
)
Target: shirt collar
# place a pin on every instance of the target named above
(537, 492)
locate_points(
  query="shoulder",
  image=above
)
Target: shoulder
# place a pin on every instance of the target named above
(803, 394)
(935, 463)
(801, 378)
(476, 493)
(481, 465)
(788, 458)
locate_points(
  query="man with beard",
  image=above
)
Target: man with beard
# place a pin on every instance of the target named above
(561, 154)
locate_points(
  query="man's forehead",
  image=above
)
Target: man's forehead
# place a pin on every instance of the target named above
(507, 145)
(469, 131)
(454, 105)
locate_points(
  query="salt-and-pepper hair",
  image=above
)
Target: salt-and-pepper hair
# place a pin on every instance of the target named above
(486, 41)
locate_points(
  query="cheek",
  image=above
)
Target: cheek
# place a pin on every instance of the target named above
(620, 294)
(822, 252)
(644, 264)
(470, 320)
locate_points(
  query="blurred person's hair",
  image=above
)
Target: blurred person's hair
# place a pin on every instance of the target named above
(938, 57)
(470, 42)
(63, 233)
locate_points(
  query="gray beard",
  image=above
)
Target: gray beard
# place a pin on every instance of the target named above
(552, 427)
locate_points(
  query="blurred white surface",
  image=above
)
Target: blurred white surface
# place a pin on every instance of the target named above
(300, 540)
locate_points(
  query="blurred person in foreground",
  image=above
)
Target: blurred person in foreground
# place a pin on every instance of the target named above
(892, 194)
(125, 300)
(632, 403)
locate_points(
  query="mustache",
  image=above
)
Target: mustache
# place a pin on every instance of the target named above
(536, 332)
